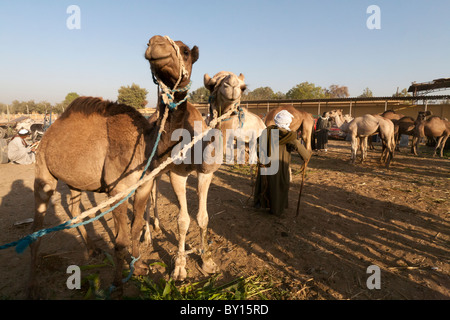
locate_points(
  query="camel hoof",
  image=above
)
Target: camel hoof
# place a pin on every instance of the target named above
(209, 266)
(141, 270)
(180, 273)
(156, 227)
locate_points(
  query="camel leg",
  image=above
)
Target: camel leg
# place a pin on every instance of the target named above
(443, 145)
(153, 201)
(122, 240)
(204, 181)
(438, 143)
(354, 147)
(75, 201)
(43, 190)
(306, 136)
(141, 198)
(363, 143)
(415, 145)
(178, 183)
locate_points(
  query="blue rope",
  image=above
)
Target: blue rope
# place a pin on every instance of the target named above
(23, 243)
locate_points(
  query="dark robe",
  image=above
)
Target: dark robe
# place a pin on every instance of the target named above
(322, 128)
(271, 191)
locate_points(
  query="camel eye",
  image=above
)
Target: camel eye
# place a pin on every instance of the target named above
(186, 52)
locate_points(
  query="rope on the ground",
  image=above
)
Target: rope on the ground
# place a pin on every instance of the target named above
(23, 243)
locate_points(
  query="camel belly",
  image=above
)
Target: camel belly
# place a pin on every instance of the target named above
(75, 153)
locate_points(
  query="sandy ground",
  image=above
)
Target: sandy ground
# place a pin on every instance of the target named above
(352, 217)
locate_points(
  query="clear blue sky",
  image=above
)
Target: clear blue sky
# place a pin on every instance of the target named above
(273, 43)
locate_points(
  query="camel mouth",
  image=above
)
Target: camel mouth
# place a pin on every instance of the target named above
(154, 59)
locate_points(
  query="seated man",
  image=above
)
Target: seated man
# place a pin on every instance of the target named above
(271, 191)
(18, 150)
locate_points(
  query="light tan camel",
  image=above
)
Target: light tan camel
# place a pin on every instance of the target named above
(360, 128)
(103, 146)
(302, 120)
(225, 93)
(192, 120)
(434, 127)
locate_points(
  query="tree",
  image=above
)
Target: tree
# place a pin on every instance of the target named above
(199, 95)
(306, 90)
(367, 93)
(403, 93)
(133, 95)
(337, 91)
(261, 93)
(70, 97)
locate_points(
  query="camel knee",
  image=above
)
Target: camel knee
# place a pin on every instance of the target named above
(183, 223)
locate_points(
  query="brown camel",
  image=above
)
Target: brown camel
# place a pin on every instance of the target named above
(392, 115)
(192, 122)
(103, 146)
(404, 126)
(302, 120)
(434, 128)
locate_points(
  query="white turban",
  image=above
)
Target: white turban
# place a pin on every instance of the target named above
(23, 131)
(283, 119)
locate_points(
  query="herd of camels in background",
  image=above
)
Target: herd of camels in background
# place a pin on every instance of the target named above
(124, 140)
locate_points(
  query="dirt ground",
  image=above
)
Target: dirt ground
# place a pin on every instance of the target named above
(352, 217)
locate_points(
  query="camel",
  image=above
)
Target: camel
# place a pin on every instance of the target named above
(178, 173)
(226, 89)
(103, 146)
(360, 128)
(392, 115)
(302, 120)
(433, 127)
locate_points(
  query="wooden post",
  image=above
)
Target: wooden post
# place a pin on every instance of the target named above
(318, 109)
(426, 105)
(350, 111)
(385, 105)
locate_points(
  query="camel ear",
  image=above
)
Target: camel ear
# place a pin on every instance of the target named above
(209, 82)
(242, 81)
(194, 54)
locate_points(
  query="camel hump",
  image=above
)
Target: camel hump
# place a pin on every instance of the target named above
(92, 105)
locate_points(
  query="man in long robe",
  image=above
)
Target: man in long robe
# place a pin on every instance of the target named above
(322, 128)
(271, 191)
(18, 150)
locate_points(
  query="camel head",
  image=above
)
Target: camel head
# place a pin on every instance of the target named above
(170, 60)
(226, 88)
(422, 115)
(335, 113)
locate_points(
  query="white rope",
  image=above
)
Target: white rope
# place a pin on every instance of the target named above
(154, 172)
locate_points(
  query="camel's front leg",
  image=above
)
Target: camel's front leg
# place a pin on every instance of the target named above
(363, 142)
(178, 183)
(75, 201)
(204, 181)
(141, 198)
(354, 147)
(438, 144)
(443, 142)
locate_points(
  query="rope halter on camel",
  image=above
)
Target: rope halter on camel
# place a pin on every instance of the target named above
(168, 95)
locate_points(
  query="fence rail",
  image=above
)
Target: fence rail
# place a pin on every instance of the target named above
(408, 106)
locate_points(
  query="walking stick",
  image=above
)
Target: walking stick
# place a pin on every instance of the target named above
(301, 187)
